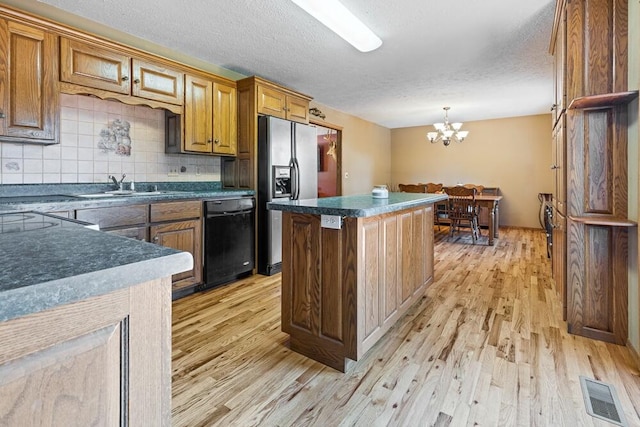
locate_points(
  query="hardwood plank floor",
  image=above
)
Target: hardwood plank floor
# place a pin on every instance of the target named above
(486, 345)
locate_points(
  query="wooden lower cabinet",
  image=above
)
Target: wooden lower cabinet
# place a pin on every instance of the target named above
(559, 258)
(343, 289)
(102, 361)
(176, 225)
(597, 292)
(184, 236)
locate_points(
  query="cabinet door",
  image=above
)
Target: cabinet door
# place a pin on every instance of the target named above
(272, 102)
(559, 164)
(159, 83)
(225, 123)
(560, 55)
(559, 259)
(297, 109)
(29, 95)
(105, 361)
(184, 236)
(93, 66)
(198, 117)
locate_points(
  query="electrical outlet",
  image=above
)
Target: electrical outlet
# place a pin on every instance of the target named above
(173, 171)
(346, 175)
(331, 221)
(198, 170)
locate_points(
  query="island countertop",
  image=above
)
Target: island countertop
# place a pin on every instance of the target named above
(45, 268)
(360, 205)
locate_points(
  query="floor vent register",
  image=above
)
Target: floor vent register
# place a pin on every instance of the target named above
(602, 401)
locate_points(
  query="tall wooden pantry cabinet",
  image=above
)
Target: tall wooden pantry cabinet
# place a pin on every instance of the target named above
(590, 253)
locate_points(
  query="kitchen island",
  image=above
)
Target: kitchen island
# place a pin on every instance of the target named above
(85, 325)
(351, 267)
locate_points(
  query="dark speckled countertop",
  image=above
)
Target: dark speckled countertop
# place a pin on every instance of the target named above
(60, 197)
(44, 268)
(361, 205)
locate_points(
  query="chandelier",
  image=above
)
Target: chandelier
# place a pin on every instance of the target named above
(447, 132)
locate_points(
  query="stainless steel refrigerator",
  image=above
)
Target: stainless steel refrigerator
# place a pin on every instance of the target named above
(287, 168)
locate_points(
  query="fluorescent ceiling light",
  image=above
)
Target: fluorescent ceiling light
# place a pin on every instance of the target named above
(338, 19)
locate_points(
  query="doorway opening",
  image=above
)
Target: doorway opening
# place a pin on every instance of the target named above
(329, 139)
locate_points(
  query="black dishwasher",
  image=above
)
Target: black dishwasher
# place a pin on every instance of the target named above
(228, 240)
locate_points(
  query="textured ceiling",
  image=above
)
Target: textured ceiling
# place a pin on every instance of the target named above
(485, 59)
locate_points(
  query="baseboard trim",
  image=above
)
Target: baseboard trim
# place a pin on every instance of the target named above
(634, 354)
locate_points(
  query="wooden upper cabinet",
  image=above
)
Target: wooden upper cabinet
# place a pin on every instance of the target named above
(297, 109)
(225, 122)
(93, 66)
(273, 102)
(28, 93)
(156, 82)
(210, 117)
(198, 115)
(101, 68)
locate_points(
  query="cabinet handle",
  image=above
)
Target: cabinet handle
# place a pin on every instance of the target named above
(554, 167)
(125, 78)
(208, 141)
(136, 81)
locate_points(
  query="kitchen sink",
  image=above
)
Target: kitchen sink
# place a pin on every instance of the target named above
(127, 193)
(94, 195)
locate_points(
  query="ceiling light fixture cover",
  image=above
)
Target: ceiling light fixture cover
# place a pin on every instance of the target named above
(341, 21)
(447, 132)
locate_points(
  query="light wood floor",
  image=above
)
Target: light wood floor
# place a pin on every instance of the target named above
(485, 346)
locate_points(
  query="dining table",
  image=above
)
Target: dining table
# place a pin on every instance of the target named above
(491, 203)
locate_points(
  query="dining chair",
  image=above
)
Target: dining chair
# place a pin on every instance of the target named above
(479, 188)
(440, 208)
(433, 188)
(413, 188)
(461, 208)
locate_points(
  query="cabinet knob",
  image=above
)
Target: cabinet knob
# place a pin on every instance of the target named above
(125, 78)
(2, 116)
(136, 81)
(554, 167)
(217, 141)
(155, 239)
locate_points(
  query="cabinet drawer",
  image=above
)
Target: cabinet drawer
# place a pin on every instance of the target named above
(138, 233)
(172, 211)
(117, 216)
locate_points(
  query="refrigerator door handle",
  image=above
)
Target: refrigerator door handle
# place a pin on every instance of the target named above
(295, 179)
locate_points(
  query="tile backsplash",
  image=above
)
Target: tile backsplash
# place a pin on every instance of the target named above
(80, 159)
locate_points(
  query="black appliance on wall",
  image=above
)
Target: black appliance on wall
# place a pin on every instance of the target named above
(287, 168)
(229, 244)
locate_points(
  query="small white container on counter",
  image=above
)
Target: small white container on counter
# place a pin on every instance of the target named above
(380, 192)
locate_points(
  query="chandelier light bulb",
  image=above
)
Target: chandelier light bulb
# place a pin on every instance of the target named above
(447, 132)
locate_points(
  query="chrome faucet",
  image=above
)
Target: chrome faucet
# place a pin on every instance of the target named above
(116, 182)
